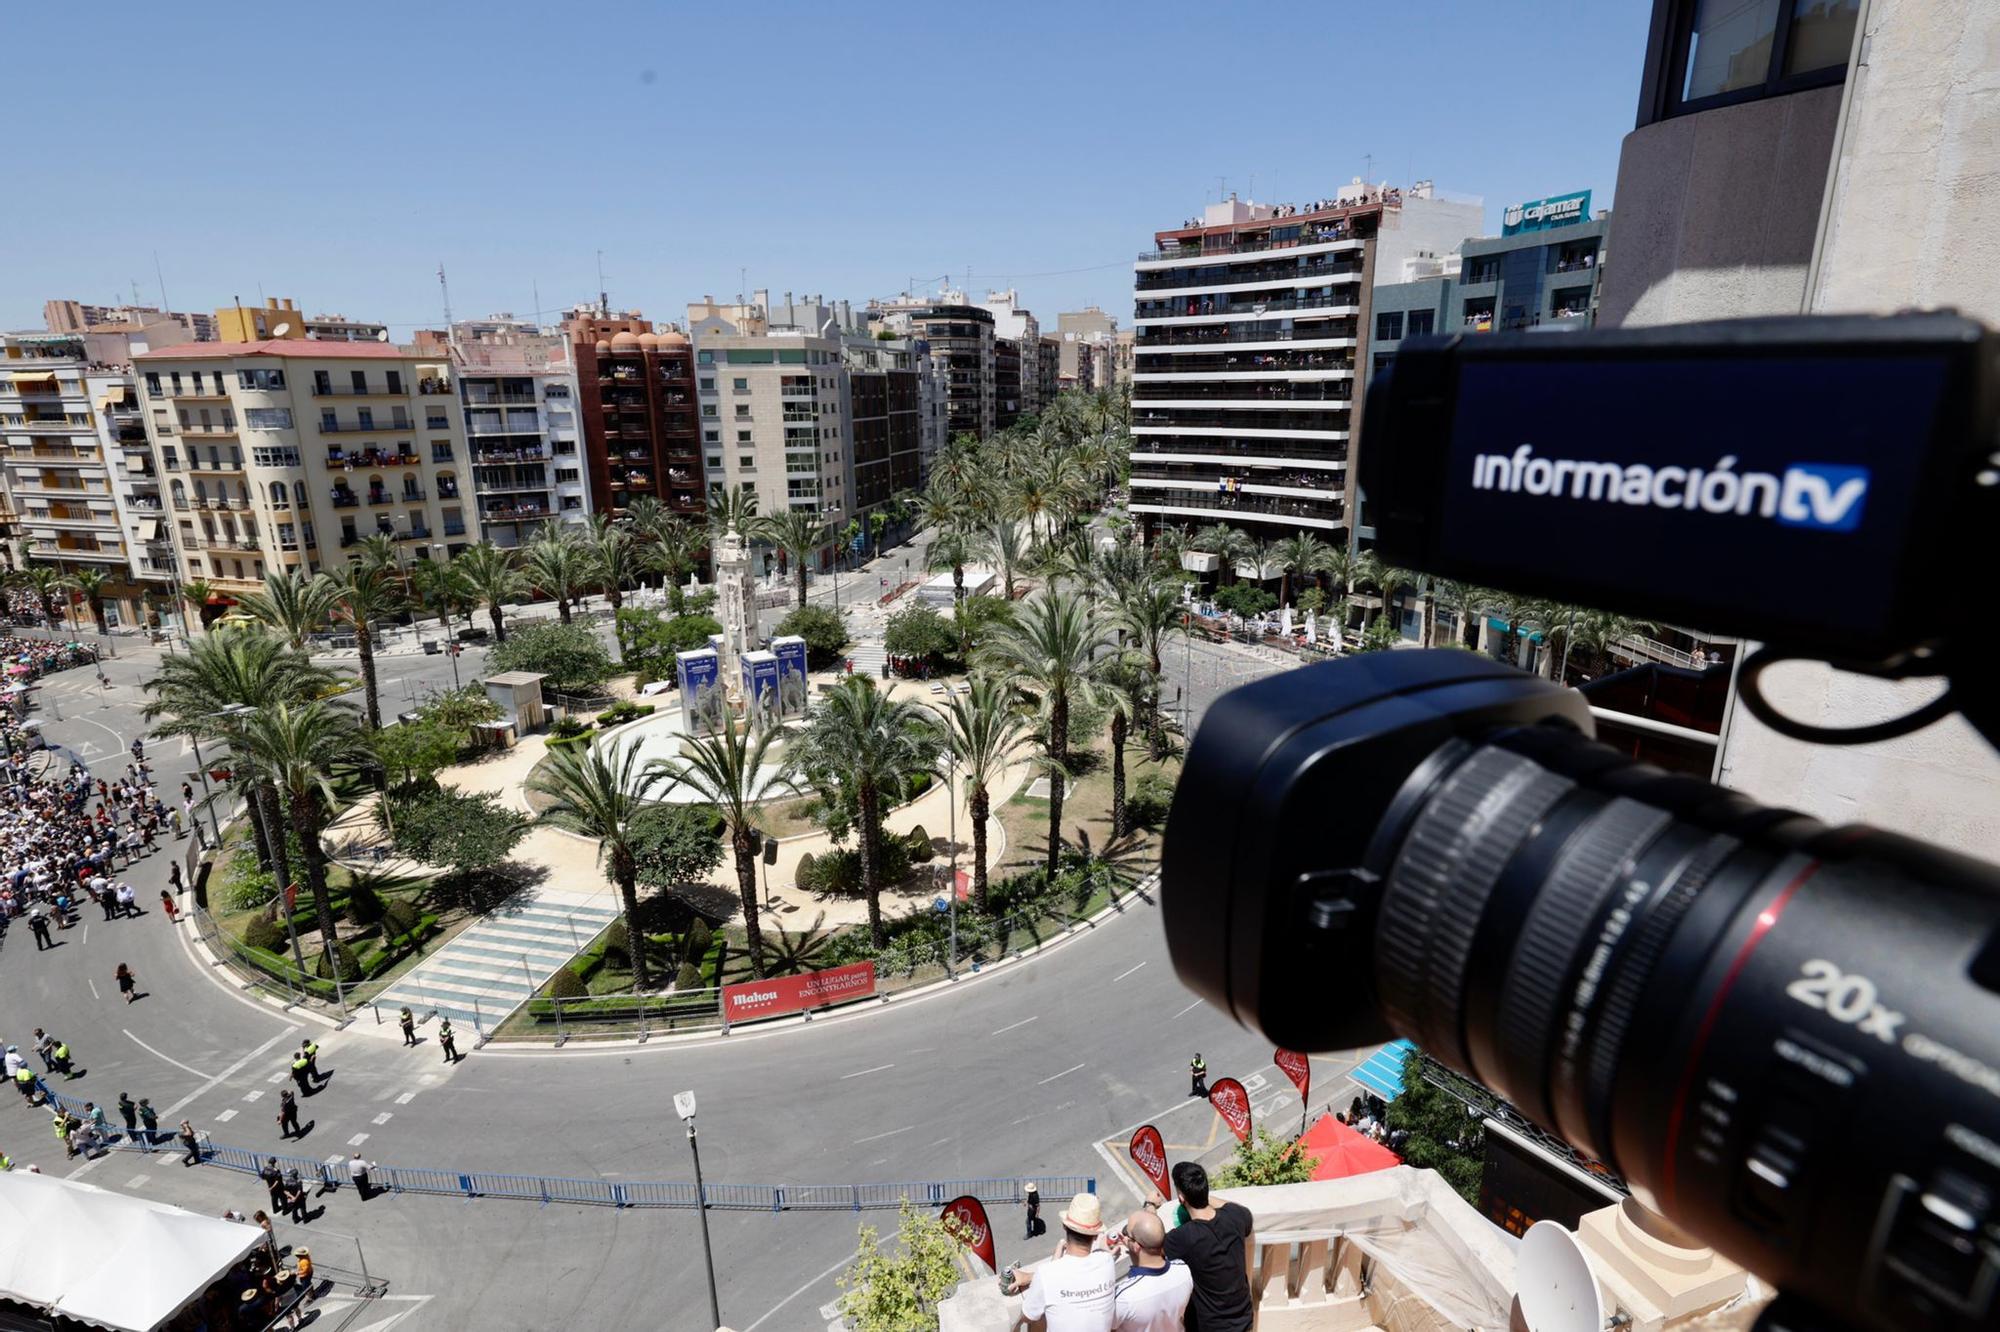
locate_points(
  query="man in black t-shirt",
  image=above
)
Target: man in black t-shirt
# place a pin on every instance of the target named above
(1211, 1242)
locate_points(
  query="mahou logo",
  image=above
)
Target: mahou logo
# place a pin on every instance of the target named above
(965, 1218)
(1149, 1152)
(1233, 1104)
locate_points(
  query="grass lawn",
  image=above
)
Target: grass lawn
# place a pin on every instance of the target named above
(1086, 807)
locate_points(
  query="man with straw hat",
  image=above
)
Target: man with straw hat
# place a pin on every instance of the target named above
(1073, 1290)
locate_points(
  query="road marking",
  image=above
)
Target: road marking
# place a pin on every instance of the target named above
(877, 1137)
(203, 1090)
(406, 1098)
(1053, 1076)
(1010, 1026)
(254, 1095)
(138, 1181)
(275, 1077)
(224, 1116)
(86, 934)
(1123, 974)
(795, 1294)
(93, 988)
(879, 1068)
(941, 1142)
(175, 1062)
(384, 1117)
(1022, 1120)
(1189, 1009)
(357, 1140)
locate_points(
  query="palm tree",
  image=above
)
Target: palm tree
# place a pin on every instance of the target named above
(1053, 650)
(732, 775)
(299, 747)
(90, 585)
(1517, 613)
(644, 515)
(950, 548)
(293, 603)
(558, 566)
(491, 576)
(868, 745)
(677, 546)
(1229, 544)
(1458, 598)
(365, 593)
(732, 507)
(1593, 633)
(1303, 555)
(982, 731)
(798, 533)
(44, 582)
(196, 592)
(615, 553)
(1122, 689)
(440, 587)
(1148, 616)
(598, 795)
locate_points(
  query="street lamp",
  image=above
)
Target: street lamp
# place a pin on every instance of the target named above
(684, 1107)
(951, 885)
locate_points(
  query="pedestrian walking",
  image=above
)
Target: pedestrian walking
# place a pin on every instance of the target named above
(167, 905)
(1198, 1076)
(149, 1122)
(129, 1112)
(288, 1115)
(174, 876)
(299, 1074)
(62, 1063)
(446, 1040)
(409, 1026)
(1035, 1223)
(65, 1127)
(294, 1194)
(128, 984)
(310, 1049)
(357, 1170)
(38, 925)
(192, 1142)
(273, 1180)
(109, 901)
(128, 899)
(45, 1046)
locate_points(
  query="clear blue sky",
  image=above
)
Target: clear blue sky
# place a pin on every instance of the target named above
(337, 153)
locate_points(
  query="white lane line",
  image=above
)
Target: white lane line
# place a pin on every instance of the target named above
(86, 934)
(206, 1087)
(1189, 1009)
(1053, 1076)
(384, 1117)
(138, 1181)
(275, 1077)
(879, 1068)
(1010, 1026)
(1123, 974)
(254, 1095)
(115, 735)
(93, 988)
(877, 1137)
(406, 1098)
(175, 1062)
(224, 1116)
(795, 1294)
(357, 1140)
(941, 1142)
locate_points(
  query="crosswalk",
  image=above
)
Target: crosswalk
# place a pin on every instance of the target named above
(867, 658)
(491, 968)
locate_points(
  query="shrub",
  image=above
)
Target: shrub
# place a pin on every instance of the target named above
(249, 890)
(699, 937)
(400, 918)
(802, 877)
(364, 904)
(617, 946)
(918, 783)
(568, 654)
(1246, 599)
(566, 984)
(1146, 804)
(919, 842)
(919, 633)
(265, 934)
(567, 727)
(838, 872)
(689, 976)
(350, 965)
(825, 632)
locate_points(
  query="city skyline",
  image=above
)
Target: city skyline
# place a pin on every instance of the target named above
(853, 177)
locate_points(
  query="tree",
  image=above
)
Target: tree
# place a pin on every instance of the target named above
(1588, 636)
(1304, 556)
(824, 629)
(648, 643)
(973, 618)
(294, 604)
(735, 776)
(366, 591)
(949, 551)
(458, 831)
(412, 753)
(1380, 635)
(1052, 650)
(677, 546)
(300, 748)
(492, 577)
(44, 582)
(732, 507)
(1245, 599)
(799, 533)
(1444, 1132)
(1518, 613)
(559, 566)
(568, 654)
(982, 733)
(196, 592)
(899, 1290)
(1000, 541)
(1229, 544)
(1149, 616)
(599, 794)
(919, 633)
(864, 746)
(1121, 692)
(90, 584)
(614, 556)
(676, 845)
(1263, 1159)
(440, 587)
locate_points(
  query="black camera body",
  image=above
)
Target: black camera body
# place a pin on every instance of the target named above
(1786, 1037)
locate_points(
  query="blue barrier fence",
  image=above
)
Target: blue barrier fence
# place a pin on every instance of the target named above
(606, 1193)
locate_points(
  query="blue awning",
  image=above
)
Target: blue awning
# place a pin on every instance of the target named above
(1500, 627)
(1382, 1072)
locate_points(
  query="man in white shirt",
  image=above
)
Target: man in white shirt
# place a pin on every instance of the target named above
(1153, 1296)
(1073, 1290)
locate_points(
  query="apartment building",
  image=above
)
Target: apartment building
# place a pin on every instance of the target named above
(774, 418)
(637, 412)
(1017, 338)
(1048, 367)
(1248, 321)
(69, 502)
(958, 340)
(518, 389)
(78, 317)
(285, 453)
(889, 388)
(279, 318)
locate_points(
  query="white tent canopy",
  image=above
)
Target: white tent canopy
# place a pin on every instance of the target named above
(107, 1259)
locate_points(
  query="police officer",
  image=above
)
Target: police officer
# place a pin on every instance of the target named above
(130, 1114)
(1198, 1076)
(300, 1073)
(446, 1040)
(149, 1121)
(409, 1024)
(288, 1114)
(310, 1049)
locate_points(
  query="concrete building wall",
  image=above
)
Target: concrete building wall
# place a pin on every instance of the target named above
(1426, 226)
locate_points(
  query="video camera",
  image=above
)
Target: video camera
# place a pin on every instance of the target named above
(1784, 1036)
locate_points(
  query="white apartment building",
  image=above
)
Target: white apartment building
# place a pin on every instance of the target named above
(518, 389)
(774, 418)
(286, 453)
(1017, 336)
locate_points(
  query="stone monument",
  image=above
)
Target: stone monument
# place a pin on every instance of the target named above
(736, 589)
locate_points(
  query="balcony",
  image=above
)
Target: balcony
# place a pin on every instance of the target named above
(1320, 268)
(369, 458)
(1296, 483)
(345, 499)
(195, 464)
(1224, 453)
(71, 517)
(50, 425)
(363, 427)
(475, 397)
(412, 495)
(1276, 394)
(415, 534)
(55, 550)
(488, 457)
(1336, 331)
(446, 490)
(482, 429)
(1207, 247)
(1341, 302)
(366, 391)
(376, 497)
(1241, 507)
(452, 529)
(1255, 424)
(209, 429)
(513, 513)
(1245, 366)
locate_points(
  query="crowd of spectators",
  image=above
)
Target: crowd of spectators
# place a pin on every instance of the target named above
(62, 839)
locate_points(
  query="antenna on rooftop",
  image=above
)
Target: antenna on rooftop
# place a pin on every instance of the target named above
(603, 297)
(445, 288)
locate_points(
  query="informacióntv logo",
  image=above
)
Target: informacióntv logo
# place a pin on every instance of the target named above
(1828, 496)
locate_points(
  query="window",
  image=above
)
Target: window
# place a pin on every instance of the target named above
(742, 411)
(739, 385)
(364, 417)
(152, 383)
(1718, 52)
(175, 376)
(568, 474)
(1421, 322)
(746, 462)
(322, 382)
(436, 421)
(395, 381)
(269, 418)
(704, 358)
(358, 379)
(1389, 326)
(711, 436)
(274, 456)
(709, 411)
(708, 384)
(1483, 270)
(260, 379)
(572, 501)
(752, 356)
(743, 437)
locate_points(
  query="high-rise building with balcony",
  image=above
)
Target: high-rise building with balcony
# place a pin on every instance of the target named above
(774, 418)
(1248, 321)
(286, 453)
(958, 339)
(1017, 341)
(523, 431)
(637, 403)
(277, 318)
(77, 317)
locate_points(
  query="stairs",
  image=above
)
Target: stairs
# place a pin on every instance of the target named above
(500, 962)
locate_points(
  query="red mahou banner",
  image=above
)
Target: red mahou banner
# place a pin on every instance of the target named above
(965, 1218)
(1296, 1067)
(1149, 1153)
(750, 1000)
(1233, 1104)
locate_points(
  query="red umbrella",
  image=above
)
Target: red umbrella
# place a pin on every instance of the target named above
(1343, 1152)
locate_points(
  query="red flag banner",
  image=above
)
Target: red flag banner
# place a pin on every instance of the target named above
(1149, 1153)
(965, 1218)
(291, 898)
(1297, 1068)
(1233, 1104)
(963, 882)
(749, 1000)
